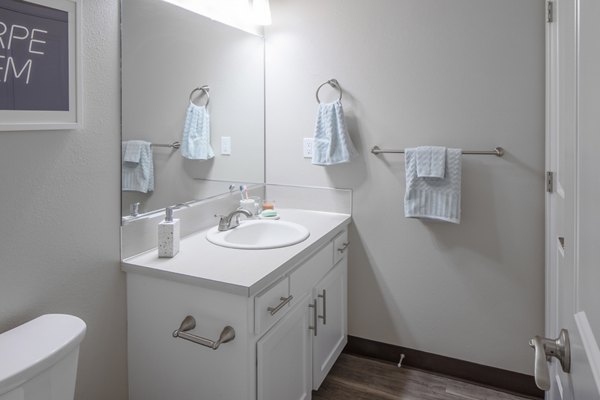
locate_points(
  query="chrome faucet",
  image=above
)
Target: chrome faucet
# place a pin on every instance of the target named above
(228, 222)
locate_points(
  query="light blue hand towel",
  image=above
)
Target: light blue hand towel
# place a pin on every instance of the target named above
(437, 199)
(133, 151)
(332, 144)
(196, 134)
(431, 161)
(137, 175)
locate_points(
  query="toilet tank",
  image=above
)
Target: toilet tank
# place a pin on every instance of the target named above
(38, 360)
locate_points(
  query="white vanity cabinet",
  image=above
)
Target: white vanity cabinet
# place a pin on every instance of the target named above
(287, 336)
(284, 356)
(331, 335)
(288, 369)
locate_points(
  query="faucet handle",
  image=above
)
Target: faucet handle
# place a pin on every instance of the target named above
(223, 222)
(134, 209)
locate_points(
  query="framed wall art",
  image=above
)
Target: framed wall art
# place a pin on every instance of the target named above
(40, 68)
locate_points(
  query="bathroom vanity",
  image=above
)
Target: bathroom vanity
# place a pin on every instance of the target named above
(286, 305)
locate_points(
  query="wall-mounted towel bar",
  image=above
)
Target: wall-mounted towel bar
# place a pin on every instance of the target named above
(189, 323)
(175, 145)
(498, 151)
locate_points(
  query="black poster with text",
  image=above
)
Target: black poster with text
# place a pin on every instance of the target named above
(34, 57)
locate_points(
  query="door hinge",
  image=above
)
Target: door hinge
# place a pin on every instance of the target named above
(549, 181)
(549, 11)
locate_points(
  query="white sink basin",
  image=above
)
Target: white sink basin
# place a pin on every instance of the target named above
(259, 234)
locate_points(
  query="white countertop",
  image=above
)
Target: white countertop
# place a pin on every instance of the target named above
(242, 272)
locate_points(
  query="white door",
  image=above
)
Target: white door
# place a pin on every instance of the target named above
(284, 357)
(565, 214)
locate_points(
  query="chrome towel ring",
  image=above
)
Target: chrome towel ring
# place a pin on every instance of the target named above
(334, 84)
(204, 89)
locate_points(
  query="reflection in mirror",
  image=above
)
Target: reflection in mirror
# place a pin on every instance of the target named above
(168, 52)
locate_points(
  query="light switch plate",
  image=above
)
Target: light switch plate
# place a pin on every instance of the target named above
(226, 145)
(308, 147)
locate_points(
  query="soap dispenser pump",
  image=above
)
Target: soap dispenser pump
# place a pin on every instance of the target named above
(168, 235)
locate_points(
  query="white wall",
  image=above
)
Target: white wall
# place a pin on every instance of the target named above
(461, 73)
(59, 235)
(589, 181)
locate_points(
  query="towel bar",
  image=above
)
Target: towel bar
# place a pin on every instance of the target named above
(175, 145)
(189, 323)
(498, 151)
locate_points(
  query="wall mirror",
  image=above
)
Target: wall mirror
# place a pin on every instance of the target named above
(167, 52)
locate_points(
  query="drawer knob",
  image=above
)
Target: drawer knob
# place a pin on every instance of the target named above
(284, 301)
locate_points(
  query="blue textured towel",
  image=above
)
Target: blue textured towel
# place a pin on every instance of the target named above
(431, 162)
(433, 198)
(137, 175)
(332, 144)
(195, 144)
(133, 151)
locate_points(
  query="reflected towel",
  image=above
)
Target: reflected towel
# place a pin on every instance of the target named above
(431, 162)
(332, 144)
(133, 151)
(137, 176)
(195, 144)
(433, 198)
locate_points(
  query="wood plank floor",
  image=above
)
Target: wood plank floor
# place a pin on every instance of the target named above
(358, 378)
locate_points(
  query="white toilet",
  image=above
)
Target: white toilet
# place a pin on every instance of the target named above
(38, 360)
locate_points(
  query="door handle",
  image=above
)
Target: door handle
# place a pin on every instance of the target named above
(559, 348)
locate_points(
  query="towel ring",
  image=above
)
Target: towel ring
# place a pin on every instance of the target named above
(334, 84)
(204, 89)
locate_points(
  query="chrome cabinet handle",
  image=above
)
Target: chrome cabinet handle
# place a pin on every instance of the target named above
(559, 348)
(344, 247)
(324, 316)
(315, 319)
(284, 301)
(189, 323)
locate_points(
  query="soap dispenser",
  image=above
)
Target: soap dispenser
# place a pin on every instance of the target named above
(168, 235)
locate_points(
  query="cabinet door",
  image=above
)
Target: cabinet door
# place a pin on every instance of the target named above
(332, 321)
(284, 357)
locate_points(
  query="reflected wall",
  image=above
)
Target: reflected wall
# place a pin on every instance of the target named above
(167, 52)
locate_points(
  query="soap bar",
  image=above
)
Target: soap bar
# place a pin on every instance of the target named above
(268, 214)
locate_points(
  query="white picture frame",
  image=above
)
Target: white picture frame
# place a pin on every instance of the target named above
(32, 120)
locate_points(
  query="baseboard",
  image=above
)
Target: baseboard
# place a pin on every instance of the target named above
(497, 378)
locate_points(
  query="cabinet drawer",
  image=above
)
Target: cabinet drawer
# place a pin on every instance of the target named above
(305, 277)
(340, 246)
(271, 305)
